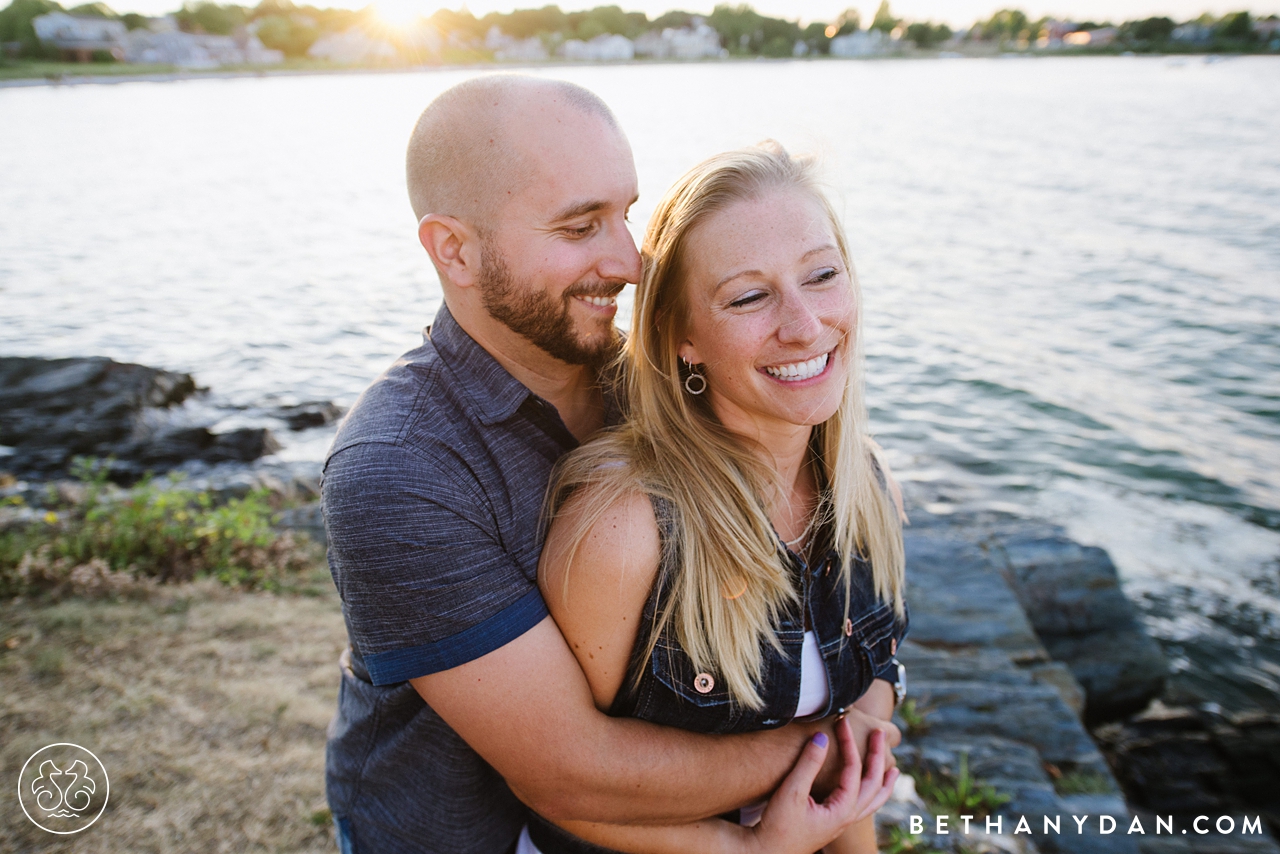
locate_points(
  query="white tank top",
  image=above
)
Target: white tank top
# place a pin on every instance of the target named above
(815, 693)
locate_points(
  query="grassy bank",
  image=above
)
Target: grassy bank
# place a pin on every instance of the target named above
(207, 705)
(36, 69)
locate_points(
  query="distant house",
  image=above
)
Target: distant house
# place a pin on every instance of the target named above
(602, 48)
(170, 46)
(509, 49)
(1193, 33)
(860, 43)
(351, 47)
(1267, 28)
(79, 37)
(699, 41)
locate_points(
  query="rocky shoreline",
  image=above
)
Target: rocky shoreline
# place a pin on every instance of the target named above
(1028, 668)
(1019, 636)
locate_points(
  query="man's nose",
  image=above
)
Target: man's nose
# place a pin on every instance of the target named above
(622, 259)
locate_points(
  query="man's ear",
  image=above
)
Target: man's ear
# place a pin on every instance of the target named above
(454, 248)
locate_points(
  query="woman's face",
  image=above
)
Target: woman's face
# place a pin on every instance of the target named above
(771, 313)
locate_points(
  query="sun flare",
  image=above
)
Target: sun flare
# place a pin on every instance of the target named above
(398, 14)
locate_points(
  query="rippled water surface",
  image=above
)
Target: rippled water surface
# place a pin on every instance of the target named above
(1071, 267)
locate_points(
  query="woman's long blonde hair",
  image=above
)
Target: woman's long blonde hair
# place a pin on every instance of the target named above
(730, 582)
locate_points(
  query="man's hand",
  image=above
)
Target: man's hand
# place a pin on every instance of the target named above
(861, 726)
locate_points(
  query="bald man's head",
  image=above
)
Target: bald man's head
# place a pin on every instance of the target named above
(465, 153)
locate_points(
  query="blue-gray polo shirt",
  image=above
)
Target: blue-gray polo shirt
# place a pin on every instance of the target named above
(433, 493)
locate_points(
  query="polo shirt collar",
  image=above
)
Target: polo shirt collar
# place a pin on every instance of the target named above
(494, 394)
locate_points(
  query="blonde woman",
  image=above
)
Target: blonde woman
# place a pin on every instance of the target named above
(730, 558)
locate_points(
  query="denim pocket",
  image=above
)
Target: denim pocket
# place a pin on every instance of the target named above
(674, 669)
(877, 633)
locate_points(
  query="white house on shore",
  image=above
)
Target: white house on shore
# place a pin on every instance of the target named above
(80, 36)
(191, 50)
(162, 43)
(602, 48)
(699, 41)
(510, 49)
(351, 47)
(860, 43)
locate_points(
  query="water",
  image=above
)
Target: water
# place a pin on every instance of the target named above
(1071, 267)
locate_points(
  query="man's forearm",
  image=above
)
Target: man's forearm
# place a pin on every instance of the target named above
(637, 773)
(527, 710)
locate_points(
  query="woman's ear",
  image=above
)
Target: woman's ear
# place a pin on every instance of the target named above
(688, 352)
(454, 248)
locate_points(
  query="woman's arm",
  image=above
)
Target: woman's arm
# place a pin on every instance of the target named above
(597, 594)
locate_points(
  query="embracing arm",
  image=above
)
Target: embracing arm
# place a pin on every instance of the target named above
(415, 556)
(527, 709)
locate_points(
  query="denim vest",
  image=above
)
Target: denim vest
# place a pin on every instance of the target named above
(666, 689)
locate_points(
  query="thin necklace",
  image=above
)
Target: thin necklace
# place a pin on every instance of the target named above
(808, 529)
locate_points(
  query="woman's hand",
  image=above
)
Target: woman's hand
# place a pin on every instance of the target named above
(794, 822)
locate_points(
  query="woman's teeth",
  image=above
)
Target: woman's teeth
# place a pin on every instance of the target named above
(603, 302)
(800, 370)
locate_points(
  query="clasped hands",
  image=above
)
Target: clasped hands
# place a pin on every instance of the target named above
(795, 820)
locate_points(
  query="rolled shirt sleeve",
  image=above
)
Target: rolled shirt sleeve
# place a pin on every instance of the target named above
(416, 552)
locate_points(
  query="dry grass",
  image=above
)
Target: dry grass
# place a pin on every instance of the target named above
(208, 707)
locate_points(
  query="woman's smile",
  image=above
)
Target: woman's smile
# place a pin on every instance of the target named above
(798, 372)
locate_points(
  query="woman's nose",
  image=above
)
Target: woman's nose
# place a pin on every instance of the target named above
(799, 323)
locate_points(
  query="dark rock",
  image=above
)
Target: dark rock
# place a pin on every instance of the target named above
(303, 416)
(53, 410)
(1189, 762)
(1072, 595)
(1120, 671)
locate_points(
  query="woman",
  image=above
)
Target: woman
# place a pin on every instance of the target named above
(729, 559)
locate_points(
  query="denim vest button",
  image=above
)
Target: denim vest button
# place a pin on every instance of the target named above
(703, 683)
(848, 627)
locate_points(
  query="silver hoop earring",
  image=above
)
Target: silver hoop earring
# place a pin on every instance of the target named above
(695, 383)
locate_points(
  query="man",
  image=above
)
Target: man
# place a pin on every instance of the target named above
(458, 689)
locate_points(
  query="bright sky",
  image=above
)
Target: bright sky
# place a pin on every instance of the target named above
(958, 13)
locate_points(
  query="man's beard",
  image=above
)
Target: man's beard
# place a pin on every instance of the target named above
(533, 314)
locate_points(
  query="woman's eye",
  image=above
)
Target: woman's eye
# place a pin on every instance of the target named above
(747, 299)
(823, 275)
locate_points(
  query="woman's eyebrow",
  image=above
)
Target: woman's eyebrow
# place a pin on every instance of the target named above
(824, 248)
(729, 278)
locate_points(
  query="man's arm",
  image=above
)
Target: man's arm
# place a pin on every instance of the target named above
(558, 751)
(427, 586)
(527, 709)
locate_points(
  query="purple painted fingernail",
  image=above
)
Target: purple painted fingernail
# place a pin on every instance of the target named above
(820, 739)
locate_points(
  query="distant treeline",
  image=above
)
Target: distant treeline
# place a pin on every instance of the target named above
(743, 32)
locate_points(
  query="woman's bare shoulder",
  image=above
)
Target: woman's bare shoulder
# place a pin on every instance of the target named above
(601, 535)
(597, 591)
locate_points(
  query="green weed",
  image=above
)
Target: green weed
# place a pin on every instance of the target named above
(111, 540)
(900, 841)
(960, 794)
(1083, 783)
